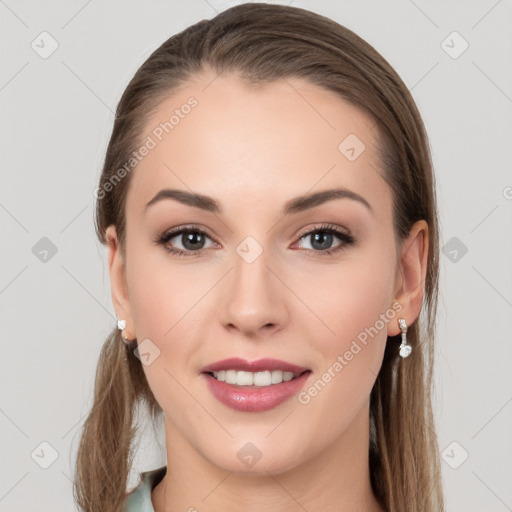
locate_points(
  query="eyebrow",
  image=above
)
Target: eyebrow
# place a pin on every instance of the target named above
(295, 205)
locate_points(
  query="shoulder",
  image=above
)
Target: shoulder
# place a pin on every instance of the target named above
(139, 499)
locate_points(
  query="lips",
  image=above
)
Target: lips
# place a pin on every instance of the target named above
(254, 398)
(260, 365)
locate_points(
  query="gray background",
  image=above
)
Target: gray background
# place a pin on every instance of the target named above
(57, 114)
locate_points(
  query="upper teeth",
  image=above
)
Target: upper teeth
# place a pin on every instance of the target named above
(241, 378)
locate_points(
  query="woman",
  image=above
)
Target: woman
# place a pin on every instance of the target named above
(268, 204)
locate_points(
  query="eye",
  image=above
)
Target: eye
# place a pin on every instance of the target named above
(191, 238)
(321, 239)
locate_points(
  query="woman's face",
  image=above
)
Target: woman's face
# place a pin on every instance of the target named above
(257, 280)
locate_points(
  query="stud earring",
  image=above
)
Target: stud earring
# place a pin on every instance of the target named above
(121, 325)
(405, 350)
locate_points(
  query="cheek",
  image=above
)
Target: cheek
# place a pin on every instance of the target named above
(355, 306)
(160, 293)
(162, 299)
(352, 297)
(165, 301)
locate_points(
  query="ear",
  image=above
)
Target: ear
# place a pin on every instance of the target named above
(410, 279)
(118, 285)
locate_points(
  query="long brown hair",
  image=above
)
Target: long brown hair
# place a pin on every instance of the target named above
(264, 43)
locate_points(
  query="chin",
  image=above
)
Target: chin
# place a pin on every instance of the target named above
(251, 459)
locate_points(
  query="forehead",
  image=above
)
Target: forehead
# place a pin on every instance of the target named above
(220, 135)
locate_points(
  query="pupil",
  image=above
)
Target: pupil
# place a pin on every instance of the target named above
(326, 237)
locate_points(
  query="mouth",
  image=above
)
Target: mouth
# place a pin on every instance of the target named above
(254, 386)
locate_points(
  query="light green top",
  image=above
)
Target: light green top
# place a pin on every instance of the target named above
(139, 499)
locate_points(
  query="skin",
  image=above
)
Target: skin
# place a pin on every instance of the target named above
(253, 149)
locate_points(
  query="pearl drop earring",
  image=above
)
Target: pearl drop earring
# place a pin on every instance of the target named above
(405, 350)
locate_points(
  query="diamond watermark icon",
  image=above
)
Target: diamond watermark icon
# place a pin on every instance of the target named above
(44, 455)
(454, 45)
(44, 250)
(454, 455)
(249, 249)
(44, 45)
(351, 147)
(147, 352)
(454, 249)
(249, 454)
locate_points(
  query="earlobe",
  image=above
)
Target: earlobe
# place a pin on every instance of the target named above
(411, 276)
(118, 284)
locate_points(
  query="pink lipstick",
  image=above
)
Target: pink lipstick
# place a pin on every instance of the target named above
(254, 386)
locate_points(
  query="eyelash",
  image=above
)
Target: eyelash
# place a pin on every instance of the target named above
(346, 238)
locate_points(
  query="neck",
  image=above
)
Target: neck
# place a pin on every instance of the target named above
(336, 479)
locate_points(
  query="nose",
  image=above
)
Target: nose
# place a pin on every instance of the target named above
(254, 299)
